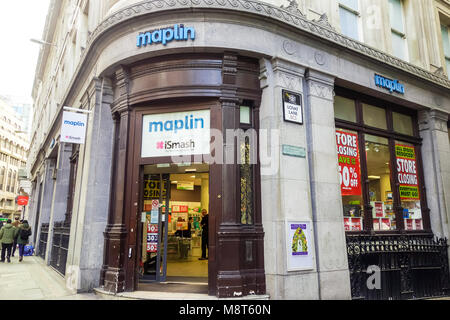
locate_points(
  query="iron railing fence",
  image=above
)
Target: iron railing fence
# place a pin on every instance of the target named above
(411, 266)
(43, 239)
(60, 246)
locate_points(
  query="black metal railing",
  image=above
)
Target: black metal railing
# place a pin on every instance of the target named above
(411, 266)
(60, 246)
(43, 239)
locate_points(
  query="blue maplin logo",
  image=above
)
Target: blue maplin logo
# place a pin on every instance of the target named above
(189, 123)
(74, 123)
(391, 85)
(177, 32)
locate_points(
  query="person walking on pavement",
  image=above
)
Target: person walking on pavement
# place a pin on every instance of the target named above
(15, 224)
(7, 235)
(204, 224)
(23, 232)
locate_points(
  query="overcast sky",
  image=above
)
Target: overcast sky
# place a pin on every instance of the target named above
(20, 20)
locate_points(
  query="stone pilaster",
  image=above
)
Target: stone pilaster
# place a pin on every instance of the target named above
(331, 250)
(436, 168)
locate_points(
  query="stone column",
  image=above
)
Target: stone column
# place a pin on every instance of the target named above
(285, 184)
(91, 204)
(60, 190)
(436, 168)
(331, 249)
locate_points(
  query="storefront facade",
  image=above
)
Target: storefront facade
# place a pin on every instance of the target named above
(240, 59)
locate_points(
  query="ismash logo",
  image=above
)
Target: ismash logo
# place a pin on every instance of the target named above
(175, 145)
(165, 35)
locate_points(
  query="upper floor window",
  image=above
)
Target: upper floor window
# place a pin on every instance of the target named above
(349, 17)
(399, 47)
(446, 45)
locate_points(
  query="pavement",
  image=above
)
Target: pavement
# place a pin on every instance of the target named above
(32, 279)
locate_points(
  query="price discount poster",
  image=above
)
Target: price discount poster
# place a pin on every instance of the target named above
(407, 172)
(349, 166)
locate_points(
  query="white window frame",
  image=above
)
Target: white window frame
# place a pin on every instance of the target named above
(357, 13)
(400, 33)
(446, 57)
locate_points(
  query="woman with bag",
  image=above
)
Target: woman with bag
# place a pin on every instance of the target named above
(23, 232)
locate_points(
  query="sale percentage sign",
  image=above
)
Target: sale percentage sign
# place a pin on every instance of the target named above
(353, 173)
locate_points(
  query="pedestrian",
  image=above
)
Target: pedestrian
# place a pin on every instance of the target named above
(23, 232)
(16, 224)
(204, 225)
(7, 235)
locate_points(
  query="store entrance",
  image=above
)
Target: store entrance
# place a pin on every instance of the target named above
(173, 248)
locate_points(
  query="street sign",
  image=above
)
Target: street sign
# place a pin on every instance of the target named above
(22, 200)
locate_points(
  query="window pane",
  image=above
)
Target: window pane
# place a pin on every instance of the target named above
(402, 123)
(447, 62)
(349, 23)
(344, 109)
(374, 116)
(398, 46)
(245, 114)
(353, 4)
(350, 178)
(445, 40)
(408, 185)
(379, 175)
(396, 15)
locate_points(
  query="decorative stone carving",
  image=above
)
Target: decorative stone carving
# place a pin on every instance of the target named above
(290, 81)
(293, 7)
(320, 90)
(289, 15)
(289, 47)
(320, 58)
(323, 20)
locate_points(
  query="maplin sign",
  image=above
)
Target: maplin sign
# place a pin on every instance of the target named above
(177, 32)
(391, 85)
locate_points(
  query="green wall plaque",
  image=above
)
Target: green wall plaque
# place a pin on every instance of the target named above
(294, 151)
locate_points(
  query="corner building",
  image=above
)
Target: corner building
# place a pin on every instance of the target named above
(304, 221)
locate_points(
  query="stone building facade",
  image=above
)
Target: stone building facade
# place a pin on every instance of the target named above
(245, 53)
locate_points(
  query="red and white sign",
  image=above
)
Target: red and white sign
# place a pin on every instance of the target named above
(348, 159)
(409, 224)
(347, 224)
(407, 172)
(152, 247)
(180, 208)
(22, 200)
(418, 224)
(379, 212)
(356, 224)
(155, 204)
(385, 224)
(152, 228)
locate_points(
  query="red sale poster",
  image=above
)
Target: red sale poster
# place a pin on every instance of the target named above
(418, 224)
(348, 159)
(347, 224)
(385, 224)
(409, 224)
(379, 213)
(356, 224)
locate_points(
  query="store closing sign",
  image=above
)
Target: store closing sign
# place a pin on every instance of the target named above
(349, 166)
(407, 172)
(73, 127)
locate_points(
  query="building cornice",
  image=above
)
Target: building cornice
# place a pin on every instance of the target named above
(290, 17)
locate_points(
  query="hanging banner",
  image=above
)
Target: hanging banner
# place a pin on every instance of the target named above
(349, 166)
(407, 172)
(73, 127)
(152, 188)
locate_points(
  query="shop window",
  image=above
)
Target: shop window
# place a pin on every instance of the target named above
(2, 177)
(379, 168)
(379, 177)
(245, 115)
(408, 185)
(402, 123)
(344, 109)
(350, 178)
(374, 116)
(399, 47)
(349, 18)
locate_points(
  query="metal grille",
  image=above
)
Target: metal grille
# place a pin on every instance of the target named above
(411, 266)
(60, 246)
(43, 240)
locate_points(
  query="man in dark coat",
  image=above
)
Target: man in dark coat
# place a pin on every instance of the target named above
(23, 232)
(204, 225)
(7, 235)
